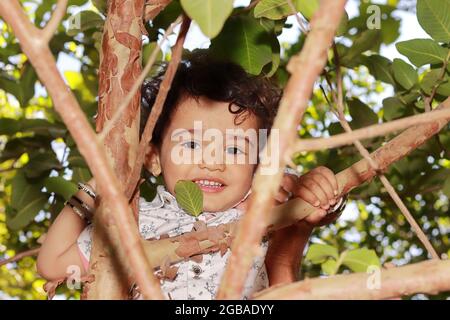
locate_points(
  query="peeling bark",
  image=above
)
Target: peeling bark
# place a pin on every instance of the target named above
(120, 66)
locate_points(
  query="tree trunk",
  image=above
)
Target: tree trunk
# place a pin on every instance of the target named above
(120, 66)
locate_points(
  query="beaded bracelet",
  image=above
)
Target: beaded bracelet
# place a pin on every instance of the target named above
(85, 188)
(77, 210)
(339, 206)
(86, 207)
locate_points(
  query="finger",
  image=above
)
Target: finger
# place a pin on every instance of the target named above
(326, 187)
(316, 217)
(307, 195)
(331, 177)
(288, 182)
(329, 218)
(282, 195)
(314, 187)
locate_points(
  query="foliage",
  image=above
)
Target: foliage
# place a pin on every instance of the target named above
(40, 164)
(189, 196)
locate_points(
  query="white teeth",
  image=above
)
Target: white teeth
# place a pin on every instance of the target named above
(208, 183)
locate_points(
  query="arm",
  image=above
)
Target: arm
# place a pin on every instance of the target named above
(60, 249)
(286, 246)
(285, 253)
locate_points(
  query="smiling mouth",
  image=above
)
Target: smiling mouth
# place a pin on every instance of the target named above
(207, 185)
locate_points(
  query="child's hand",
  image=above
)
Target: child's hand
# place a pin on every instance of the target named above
(319, 188)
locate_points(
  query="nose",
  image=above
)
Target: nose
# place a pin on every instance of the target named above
(212, 163)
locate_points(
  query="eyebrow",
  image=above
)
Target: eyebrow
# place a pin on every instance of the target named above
(181, 131)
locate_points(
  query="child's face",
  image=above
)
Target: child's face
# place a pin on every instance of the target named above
(215, 155)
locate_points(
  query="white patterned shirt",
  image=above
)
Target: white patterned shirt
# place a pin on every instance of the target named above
(194, 280)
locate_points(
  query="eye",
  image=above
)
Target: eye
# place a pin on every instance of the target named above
(191, 144)
(234, 150)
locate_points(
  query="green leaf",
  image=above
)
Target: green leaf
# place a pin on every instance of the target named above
(100, 5)
(271, 68)
(444, 88)
(278, 9)
(82, 175)
(147, 51)
(41, 164)
(189, 197)
(359, 260)
(422, 51)
(27, 81)
(245, 42)
(209, 14)
(9, 126)
(60, 186)
(434, 17)
(329, 267)
(163, 19)
(393, 108)
(342, 28)
(307, 7)
(446, 187)
(12, 86)
(42, 127)
(430, 80)
(380, 68)
(362, 114)
(76, 159)
(404, 73)
(363, 42)
(318, 253)
(390, 30)
(26, 200)
(84, 20)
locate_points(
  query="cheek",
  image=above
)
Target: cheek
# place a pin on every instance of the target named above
(242, 174)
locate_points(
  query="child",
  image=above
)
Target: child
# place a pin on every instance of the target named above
(214, 97)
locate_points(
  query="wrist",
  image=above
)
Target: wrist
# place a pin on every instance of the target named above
(282, 275)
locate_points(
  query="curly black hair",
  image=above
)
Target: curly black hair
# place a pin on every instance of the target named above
(199, 75)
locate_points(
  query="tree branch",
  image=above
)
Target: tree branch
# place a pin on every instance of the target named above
(154, 7)
(305, 69)
(67, 106)
(21, 255)
(157, 108)
(50, 29)
(372, 131)
(429, 277)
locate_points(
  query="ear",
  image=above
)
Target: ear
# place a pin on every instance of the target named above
(152, 161)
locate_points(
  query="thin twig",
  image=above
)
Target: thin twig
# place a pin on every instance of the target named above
(429, 100)
(372, 131)
(157, 108)
(17, 257)
(137, 84)
(51, 26)
(339, 100)
(252, 4)
(302, 26)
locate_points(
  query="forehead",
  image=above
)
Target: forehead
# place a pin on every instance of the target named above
(212, 114)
